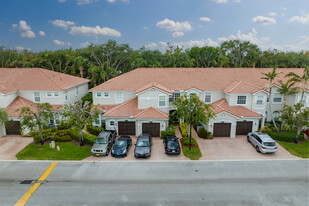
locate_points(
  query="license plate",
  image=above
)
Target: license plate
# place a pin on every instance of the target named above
(173, 151)
(98, 155)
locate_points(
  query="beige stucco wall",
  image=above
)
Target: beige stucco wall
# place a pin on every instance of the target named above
(127, 95)
(150, 98)
(5, 100)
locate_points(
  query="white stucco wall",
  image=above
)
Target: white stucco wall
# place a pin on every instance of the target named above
(111, 100)
(2, 130)
(6, 99)
(150, 98)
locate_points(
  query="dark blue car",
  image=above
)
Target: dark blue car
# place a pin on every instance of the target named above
(121, 146)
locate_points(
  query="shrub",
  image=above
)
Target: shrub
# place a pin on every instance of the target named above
(61, 133)
(267, 129)
(65, 138)
(46, 136)
(203, 133)
(74, 134)
(170, 132)
(94, 130)
(36, 132)
(64, 125)
(285, 136)
(184, 129)
(186, 141)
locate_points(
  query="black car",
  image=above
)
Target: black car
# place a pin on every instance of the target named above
(143, 146)
(121, 146)
(171, 144)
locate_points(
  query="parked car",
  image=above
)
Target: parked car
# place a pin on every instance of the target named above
(121, 146)
(103, 143)
(171, 145)
(262, 142)
(143, 146)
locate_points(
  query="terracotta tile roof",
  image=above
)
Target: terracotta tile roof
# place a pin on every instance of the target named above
(151, 85)
(242, 87)
(36, 79)
(151, 113)
(206, 79)
(192, 87)
(130, 109)
(239, 111)
(104, 107)
(20, 102)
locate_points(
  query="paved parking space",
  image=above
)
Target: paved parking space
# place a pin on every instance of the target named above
(224, 148)
(10, 145)
(157, 153)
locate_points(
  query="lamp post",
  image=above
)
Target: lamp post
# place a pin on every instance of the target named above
(191, 110)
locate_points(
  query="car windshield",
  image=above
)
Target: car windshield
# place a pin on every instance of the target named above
(121, 143)
(142, 143)
(269, 144)
(172, 145)
(101, 141)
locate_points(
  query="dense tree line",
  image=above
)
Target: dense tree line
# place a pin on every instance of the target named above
(107, 60)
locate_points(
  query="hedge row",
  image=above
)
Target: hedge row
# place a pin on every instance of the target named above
(94, 130)
(184, 129)
(285, 136)
(203, 133)
(170, 132)
(88, 138)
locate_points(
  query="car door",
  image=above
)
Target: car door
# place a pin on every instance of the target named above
(254, 139)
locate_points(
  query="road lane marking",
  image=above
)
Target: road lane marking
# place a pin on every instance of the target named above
(23, 200)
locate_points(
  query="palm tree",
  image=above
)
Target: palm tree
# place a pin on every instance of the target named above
(270, 76)
(300, 79)
(3, 117)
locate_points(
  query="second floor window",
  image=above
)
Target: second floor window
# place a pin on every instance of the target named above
(259, 100)
(162, 101)
(241, 99)
(37, 97)
(303, 101)
(49, 94)
(106, 94)
(175, 96)
(119, 98)
(277, 98)
(192, 95)
(207, 97)
(66, 96)
(99, 94)
(56, 94)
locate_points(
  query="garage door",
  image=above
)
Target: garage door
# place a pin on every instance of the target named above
(13, 127)
(243, 128)
(151, 128)
(126, 128)
(222, 129)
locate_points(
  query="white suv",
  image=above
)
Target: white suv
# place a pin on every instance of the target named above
(262, 142)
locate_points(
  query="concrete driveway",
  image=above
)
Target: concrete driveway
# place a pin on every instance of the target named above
(10, 145)
(225, 148)
(157, 153)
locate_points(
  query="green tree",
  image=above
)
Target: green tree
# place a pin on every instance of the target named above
(296, 116)
(36, 117)
(270, 76)
(287, 89)
(3, 117)
(80, 113)
(300, 79)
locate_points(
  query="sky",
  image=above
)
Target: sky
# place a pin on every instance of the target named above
(40, 25)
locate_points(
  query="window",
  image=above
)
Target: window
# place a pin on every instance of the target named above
(267, 100)
(119, 98)
(276, 115)
(66, 96)
(259, 100)
(191, 95)
(106, 94)
(76, 91)
(175, 96)
(112, 123)
(241, 99)
(277, 98)
(49, 94)
(56, 94)
(97, 120)
(207, 97)
(162, 101)
(303, 100)
(37, 97)
(99, 94)
(57, 118)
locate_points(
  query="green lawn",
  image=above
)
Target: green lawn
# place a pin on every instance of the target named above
(300, 150)
(193, 154)
(68, 151)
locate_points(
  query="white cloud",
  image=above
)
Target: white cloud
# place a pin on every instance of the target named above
(61, 1)
(82, 2)
(272, 14)
(62, 23)
(61, 43)
(94, 31)
(151, 45)
(127, 1)
(20, 49)
(206, 19)
(145, 28)
(111, 1)
(222, 39)
(28, 34)
(25, 28)
(264, 20)
(177, 34)
(42, 33)
(85, 44)
(220, 1)
(171, 25)
(303, 19)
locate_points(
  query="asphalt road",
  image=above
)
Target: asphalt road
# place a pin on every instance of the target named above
(276, 182)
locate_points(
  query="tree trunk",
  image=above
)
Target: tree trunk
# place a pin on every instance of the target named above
(284, 104)
(270, 112)
(297, 134)
(41, 135)
(81, 71)
(81, 137)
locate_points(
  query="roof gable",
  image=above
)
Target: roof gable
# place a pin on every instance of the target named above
(151, 113)
(153, 85)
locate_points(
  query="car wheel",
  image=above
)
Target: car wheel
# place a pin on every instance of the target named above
(257, 148)
(248, 139)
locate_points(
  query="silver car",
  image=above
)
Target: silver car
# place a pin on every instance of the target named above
(262, 142)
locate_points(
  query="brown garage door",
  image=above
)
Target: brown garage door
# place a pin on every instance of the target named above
(13, 127)
(243, 128)
(126, 128)
(151, 128)
(222, 129)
